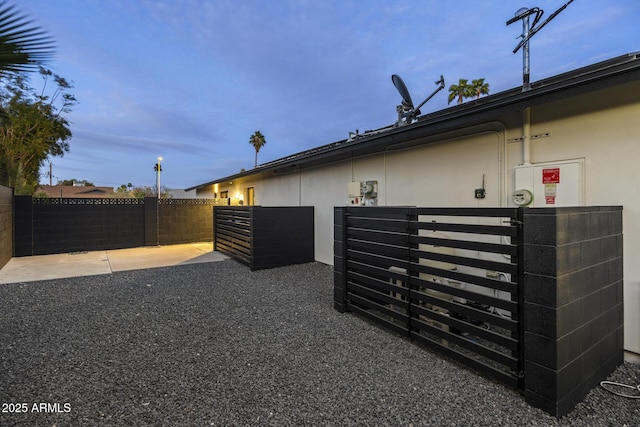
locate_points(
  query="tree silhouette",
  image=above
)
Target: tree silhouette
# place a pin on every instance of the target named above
(461, 90)
(464, 89)
(258, 141)
(479, 87)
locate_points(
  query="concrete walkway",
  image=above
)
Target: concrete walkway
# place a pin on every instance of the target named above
(58, 266)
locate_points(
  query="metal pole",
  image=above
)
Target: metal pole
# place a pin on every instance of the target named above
(158, 169)
(526, 85)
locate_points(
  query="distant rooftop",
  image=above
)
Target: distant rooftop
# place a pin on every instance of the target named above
(74, 191)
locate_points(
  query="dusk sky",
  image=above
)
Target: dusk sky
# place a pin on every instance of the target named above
(192, 80)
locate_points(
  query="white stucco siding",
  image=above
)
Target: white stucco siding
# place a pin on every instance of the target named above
(323, 189)
(446, 174)
(604, 129)
(283, 190)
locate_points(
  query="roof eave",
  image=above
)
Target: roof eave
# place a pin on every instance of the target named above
(612, 72)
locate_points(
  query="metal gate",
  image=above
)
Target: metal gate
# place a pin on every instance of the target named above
(449, 278)
(232, 232)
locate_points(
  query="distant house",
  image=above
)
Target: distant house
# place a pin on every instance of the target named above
(74, 191)
(181, 194)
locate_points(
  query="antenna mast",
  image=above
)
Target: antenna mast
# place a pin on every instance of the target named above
(527, 32)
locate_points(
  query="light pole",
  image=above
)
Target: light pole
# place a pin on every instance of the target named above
(158, 169)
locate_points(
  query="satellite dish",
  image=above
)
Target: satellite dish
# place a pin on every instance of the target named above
(402, 88)
(406, 111)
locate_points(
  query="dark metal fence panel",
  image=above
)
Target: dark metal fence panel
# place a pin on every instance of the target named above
(232, 232)
(265, 237)
(447, 278)
(377, 265)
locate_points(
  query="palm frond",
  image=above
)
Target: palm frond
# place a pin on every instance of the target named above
(23, 46)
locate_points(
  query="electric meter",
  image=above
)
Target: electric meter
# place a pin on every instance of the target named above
(522, 197)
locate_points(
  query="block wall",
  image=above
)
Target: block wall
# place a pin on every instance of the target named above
(573, 305)
(184, 222)
(72, 225)
(75, 228)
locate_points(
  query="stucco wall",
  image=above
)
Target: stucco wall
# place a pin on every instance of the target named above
(447, 173)
(602, 128)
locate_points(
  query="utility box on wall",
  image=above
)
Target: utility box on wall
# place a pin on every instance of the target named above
(551, 184)
(363, 193)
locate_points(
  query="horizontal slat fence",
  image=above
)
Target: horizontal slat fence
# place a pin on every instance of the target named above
(233, 232)
(448, 278)
(265, 236)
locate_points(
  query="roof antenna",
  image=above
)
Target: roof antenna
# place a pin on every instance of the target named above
(406, 111)
(527, 32)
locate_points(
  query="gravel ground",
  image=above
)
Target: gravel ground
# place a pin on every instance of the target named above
(218, 345)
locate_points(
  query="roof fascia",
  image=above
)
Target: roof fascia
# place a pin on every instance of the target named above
(613, 72)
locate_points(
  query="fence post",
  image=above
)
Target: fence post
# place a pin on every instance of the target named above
(519, 222)
(340, 259)
(411, 216)
(215, 234)
(151, 235)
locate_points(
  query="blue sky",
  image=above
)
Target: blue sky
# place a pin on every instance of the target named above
(191, 80)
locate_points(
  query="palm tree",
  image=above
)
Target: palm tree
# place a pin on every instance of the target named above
(22, 46)
(460, 91)
(258, 141)
(480, 87)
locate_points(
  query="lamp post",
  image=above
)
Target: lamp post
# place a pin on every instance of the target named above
(158, 169)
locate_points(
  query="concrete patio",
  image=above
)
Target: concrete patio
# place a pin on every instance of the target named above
(77, 264)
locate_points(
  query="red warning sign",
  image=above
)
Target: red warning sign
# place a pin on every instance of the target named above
(551, 176)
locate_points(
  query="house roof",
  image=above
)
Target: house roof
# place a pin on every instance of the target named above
(612, 72)
(73, 191)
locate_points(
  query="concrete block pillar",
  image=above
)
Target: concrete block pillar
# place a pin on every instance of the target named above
(573, 308)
